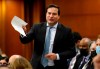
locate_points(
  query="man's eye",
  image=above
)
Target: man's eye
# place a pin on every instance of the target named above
(49, 13)
(54, 14)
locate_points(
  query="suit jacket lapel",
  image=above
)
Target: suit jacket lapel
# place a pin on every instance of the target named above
(43, 33)
(58, 33)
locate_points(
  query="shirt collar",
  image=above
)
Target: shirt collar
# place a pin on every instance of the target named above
(55, 26)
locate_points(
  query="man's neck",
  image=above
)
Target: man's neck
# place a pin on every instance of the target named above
(52, 24)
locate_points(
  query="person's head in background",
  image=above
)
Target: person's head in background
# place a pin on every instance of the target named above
(84, 46)
(98, 42)
(96, 61)
(77, 37)
(98, 46)
(52, 14)
(93, 46)
(19, 62)
(3, 60)
(98, 36)
(93, 49)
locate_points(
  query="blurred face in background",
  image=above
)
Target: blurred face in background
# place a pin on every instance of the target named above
(93, 46)
(98, 42)
(3, 60)
(3, 63)
(52, 16)
(84, 46)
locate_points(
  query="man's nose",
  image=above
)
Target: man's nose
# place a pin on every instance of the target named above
(51, 15)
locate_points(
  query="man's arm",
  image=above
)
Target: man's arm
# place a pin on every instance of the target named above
(29, 36)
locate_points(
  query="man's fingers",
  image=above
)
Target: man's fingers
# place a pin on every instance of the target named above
(24, 28)
(47, 55)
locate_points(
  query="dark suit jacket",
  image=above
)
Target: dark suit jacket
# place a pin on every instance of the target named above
(79, 58)
(90, 64)
(63, 43)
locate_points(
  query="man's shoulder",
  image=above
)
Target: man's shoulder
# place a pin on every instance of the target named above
(39, 24)
(64, 27)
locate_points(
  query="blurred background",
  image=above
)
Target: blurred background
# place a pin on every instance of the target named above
(82, 16)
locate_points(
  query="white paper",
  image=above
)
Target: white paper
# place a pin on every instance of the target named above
(17, 24)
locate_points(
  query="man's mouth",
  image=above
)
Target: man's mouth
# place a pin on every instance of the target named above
(51, 19)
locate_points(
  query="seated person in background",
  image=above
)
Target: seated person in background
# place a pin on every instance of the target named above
(96, 61)
(89, 64)
(19, 62)
(93, 46)
(94, 49)
(84, 53)
(3, 60)
(98, 42)
(77, 38)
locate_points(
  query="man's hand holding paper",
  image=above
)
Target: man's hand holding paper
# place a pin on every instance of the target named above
(19, 25)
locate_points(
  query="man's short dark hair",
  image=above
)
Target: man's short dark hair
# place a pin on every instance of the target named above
(55, 6)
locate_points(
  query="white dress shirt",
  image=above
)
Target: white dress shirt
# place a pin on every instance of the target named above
(72, 62)
(53, 32)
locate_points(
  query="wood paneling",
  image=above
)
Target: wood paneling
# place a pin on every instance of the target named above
(9, 38)
(29, 11)
(2, 24)
(12, 41)
(82, 16)
(39, 11)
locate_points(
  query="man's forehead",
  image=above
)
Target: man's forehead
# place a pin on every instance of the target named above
(83, 43)
(52, 9)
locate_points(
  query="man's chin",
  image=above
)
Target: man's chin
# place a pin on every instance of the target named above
(51, 22)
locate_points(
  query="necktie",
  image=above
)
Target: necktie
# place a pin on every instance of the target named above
(44, 60)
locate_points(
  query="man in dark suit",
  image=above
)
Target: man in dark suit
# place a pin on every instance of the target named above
(84, 55)
(61, 43)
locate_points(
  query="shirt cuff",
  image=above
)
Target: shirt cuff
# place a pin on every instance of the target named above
(22, 36)
(58, 58)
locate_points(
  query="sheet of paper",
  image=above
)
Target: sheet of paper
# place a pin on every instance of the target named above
(17, 24)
